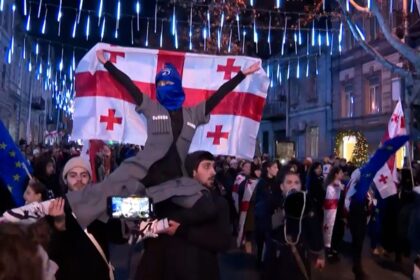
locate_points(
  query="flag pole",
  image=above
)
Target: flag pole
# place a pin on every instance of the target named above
(410, 166)
(409, 150)
(26, 170)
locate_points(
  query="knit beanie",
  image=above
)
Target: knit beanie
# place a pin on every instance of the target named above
(76, 162)
(193, 160)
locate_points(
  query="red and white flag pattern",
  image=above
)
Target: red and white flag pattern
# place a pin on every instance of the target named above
(332, 197)
(386, 178)
(104, 110)
(244, 207)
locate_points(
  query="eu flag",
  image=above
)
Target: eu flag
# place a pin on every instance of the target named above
(380, 157)
(12, 166)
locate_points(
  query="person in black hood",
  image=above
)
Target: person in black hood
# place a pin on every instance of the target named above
(267, 196)
(315, 188)
(295, 236)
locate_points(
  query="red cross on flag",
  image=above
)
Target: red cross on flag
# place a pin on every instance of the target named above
(386, 178)
(104, 110)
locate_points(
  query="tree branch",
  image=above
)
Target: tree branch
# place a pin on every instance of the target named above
(369, 49)
(360, 8)
(418, 6)
(407, 52)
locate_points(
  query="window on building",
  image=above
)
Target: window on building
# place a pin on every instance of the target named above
(314, 141)
(348, 144)
(311, 89)
(348, 104)
(265, 142)
(294, 91)
(396, 89)
(374, 96)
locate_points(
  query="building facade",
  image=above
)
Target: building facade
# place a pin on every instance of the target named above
(351, 93)
(297, 117)
(25, 106)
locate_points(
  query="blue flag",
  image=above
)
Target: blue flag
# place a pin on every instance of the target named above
(380, 157)
(12, 166)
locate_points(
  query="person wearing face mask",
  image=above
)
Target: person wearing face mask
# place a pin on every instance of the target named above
(297, 235)
(170, 129)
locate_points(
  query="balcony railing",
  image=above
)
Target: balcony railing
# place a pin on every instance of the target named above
(274, 110)
(38, 103)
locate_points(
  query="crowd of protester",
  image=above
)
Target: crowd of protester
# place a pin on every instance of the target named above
(262, 199)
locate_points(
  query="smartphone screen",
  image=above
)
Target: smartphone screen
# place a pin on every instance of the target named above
(132, 207)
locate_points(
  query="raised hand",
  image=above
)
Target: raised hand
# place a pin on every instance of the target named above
(252, 69)
(56, 208)
(101, 57)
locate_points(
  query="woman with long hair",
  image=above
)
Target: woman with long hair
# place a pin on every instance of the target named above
(334, 213)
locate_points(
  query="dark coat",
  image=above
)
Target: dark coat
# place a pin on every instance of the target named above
(76, 255)
(192, 253)
(279, 258)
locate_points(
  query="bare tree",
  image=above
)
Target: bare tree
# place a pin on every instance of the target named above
(410, 70)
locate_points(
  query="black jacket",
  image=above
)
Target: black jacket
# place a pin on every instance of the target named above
(279, 257)
(75, 253)
(192, 253)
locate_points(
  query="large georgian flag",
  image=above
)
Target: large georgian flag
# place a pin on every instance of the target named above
(104, 110)
(386, 178)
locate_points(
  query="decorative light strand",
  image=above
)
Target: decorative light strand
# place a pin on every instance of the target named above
(103, 28)
(190, 30)
(59, 14)
(87, 27)
(340, 37)
(24, 8)
(117, 23)
(132, 32)
(73, 34)
(243, 40)
(269, 35)
(205, 38)
(161, 35)
(28, 21)
(39, 8)
(156, 13)
(173, 21)
(138, 15)
(230, 41)
(44, 23)
(147, 34)
(24, 48)
(327, 36)
(283, 42)
(80, 10)
(239, 29)
(100, 9)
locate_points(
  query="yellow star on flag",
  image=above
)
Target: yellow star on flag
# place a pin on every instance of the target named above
(16, 177)
(12, 153)
(3, 146)
(18, 164)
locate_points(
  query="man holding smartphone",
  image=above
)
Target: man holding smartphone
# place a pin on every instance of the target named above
(81, 253)
(189, 251)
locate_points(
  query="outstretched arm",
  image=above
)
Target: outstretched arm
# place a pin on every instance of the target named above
(121, 77)
(230, 85)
